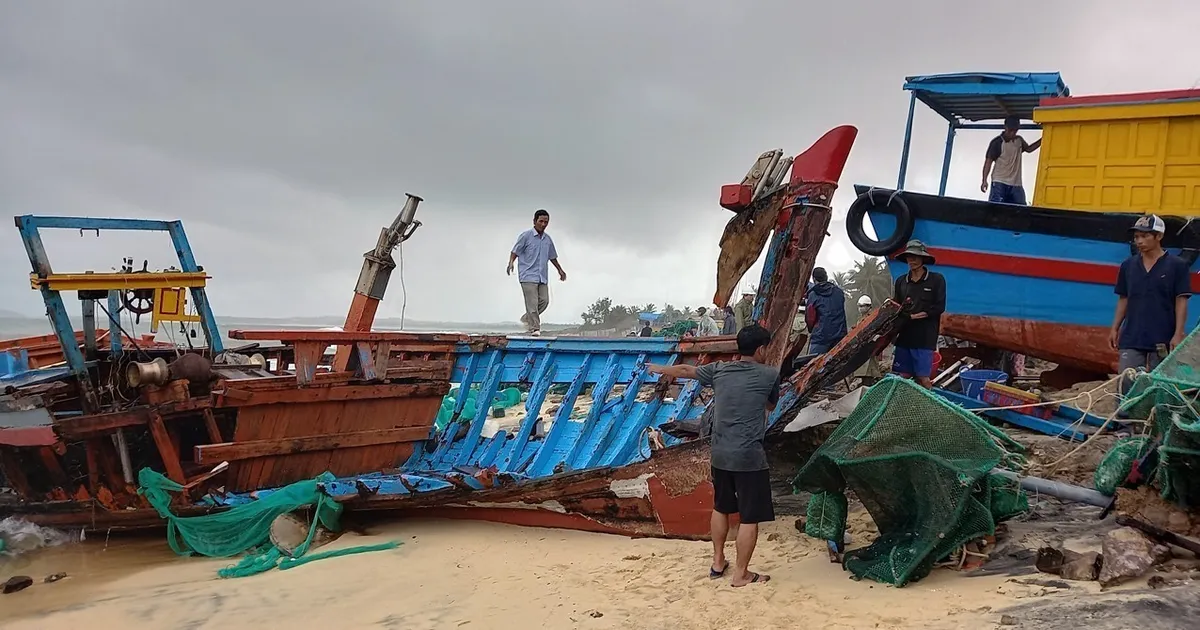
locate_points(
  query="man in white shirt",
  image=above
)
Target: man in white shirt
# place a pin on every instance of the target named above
(1003, 163)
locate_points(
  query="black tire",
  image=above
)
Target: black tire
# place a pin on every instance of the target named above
(871, 200)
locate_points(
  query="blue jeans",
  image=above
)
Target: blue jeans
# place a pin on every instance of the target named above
(1004, 193)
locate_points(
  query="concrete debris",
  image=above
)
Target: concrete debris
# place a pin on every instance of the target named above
(54, 577)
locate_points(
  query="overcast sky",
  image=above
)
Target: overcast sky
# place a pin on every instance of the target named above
(285, 133)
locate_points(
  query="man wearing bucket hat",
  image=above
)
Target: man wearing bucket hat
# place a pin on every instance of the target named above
(1153, 288)
(923, 294)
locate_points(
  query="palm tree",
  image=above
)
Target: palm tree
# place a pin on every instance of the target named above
(870, 277)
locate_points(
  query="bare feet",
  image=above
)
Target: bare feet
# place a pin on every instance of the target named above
(750, 578)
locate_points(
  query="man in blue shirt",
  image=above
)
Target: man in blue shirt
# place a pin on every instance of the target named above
(1153, 288)
(535, 248)
(824, 313)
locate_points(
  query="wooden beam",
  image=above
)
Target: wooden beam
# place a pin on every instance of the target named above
(432, 370)
(101, 423)
(54, 467)
(210, 424)
(84, 427)
(166, 449)
(235, 451)
(426, 342)
(241, 398)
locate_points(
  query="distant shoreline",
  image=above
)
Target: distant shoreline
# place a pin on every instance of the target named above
(24, 326)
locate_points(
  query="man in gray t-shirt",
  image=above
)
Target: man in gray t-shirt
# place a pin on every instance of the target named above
(744, 392)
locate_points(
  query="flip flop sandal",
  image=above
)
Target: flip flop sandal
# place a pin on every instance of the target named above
(714, 574)
(755, 578)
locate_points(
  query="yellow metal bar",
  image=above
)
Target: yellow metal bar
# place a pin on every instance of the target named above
(118, 281)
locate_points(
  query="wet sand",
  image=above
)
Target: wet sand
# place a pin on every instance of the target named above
(455, 574)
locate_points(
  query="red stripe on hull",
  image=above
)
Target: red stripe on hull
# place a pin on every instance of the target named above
(1034, 267)
(1083, 347)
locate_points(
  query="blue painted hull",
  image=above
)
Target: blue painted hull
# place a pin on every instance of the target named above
(1018, 283)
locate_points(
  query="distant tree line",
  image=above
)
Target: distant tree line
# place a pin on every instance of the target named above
(869, 276)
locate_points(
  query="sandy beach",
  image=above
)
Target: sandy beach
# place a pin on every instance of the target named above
(456, 574)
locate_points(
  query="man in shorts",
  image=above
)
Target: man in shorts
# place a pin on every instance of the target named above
(744, 392)
(923, 294)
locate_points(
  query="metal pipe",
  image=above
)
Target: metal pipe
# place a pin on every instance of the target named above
(89, 327)
(406, 218)
(123, 451)
(912, 108)
(1063, 491)
(762, 184)
(780, 171)
(946, 159)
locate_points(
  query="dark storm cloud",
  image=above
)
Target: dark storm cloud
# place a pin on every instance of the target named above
(285, 133)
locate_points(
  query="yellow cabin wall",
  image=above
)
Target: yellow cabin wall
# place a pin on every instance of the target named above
(1120, 158)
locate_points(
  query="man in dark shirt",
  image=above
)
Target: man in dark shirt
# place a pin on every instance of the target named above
(646, 330)
(1153, 288)
(744, 392)
(824, 313)
(923, 294)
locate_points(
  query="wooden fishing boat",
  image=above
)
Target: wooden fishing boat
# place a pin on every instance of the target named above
(1039, 279)
(591, 449)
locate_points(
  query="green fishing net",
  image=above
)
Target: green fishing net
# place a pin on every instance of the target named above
(1117, 462)
(247, 527)
(825, 518)
(1169, 396)
(921, 467)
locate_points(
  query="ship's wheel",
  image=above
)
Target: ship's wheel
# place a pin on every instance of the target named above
(137, 301)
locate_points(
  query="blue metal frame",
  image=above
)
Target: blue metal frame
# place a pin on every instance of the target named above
(29, 226)
(964, 99)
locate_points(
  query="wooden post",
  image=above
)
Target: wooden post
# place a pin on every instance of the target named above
(166, 448)
(210, 423)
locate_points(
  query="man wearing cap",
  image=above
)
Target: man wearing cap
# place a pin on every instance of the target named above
(1153, 288)
(1003, 163)
(923, 295)
(824, 313)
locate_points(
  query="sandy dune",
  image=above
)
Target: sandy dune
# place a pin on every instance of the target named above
(451, 574)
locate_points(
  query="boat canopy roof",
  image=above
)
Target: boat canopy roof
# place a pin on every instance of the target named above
(966, 99)
(977, 96)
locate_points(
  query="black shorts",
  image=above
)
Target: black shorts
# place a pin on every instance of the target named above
(746, 493)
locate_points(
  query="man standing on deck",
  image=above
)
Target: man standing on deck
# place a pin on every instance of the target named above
(1153, 288)
(743, 311)
(744, 392)
(824, 313)
(535, 248)
(1003, 163)
(923, 295)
